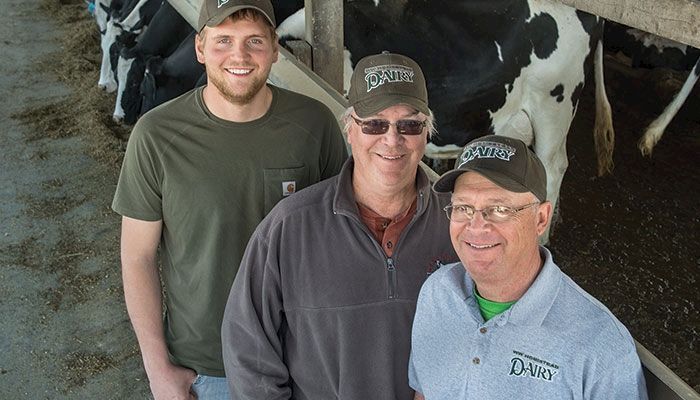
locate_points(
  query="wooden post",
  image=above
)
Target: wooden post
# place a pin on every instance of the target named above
(301, 50)
(677, 20)
(324, 32)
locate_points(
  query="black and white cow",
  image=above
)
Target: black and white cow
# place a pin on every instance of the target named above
(166, 30)
(646, 50)
(657, 127)
(169, 77)
(129, 17)
(509, 67)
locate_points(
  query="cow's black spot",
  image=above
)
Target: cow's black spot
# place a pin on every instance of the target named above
(558, 92)
(543, 34)
(575, 96)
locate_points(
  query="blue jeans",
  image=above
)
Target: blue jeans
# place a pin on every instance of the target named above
(211, 388)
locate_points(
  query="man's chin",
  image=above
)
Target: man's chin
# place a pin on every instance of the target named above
(239, 97)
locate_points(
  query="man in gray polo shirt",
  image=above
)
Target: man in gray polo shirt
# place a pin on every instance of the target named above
(506, 322)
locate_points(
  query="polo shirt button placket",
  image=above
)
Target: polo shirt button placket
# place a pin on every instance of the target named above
(483, 329)
(476, 360)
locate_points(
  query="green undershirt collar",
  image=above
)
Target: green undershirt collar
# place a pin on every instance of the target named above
(490, 309)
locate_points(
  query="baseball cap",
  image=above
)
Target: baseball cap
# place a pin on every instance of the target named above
(505, 161)
(213, 12)
(383, 80)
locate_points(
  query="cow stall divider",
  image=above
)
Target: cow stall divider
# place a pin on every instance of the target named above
(290, 73)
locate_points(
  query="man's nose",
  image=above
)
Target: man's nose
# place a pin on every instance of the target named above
(478, 220)
(392, 135)
(239, 51)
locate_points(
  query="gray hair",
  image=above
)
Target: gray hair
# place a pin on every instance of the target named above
(346, 121)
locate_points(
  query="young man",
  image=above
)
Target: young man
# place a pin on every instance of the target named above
(200, 172)
(506, 322)
(323, 304)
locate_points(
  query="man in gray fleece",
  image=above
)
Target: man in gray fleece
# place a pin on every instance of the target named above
(323, 303)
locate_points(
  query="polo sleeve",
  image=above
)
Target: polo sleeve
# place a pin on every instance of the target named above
(623, 379)
(412, 376)
(139, 189)
(251, 343)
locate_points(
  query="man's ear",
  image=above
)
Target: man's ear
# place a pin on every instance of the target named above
(544, 216)
(199, 46)
(276, 49)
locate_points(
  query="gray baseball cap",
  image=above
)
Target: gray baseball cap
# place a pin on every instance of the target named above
(213, 12)
(505, 161)
(383, 80)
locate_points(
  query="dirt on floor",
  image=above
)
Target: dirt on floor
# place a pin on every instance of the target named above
(65, 332)
(630, 238)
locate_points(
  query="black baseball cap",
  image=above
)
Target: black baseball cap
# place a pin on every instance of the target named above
(383, 80)
(505, 161)
(213, 12)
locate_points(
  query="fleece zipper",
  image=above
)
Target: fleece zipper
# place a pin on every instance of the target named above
(391, 273)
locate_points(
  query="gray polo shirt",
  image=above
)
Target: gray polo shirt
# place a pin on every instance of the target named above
(556, 342)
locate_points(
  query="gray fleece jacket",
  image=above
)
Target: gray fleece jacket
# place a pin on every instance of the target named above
(317, 310)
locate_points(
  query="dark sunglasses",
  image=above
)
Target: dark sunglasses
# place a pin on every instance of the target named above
(381, 126)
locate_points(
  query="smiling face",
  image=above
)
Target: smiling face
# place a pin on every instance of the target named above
(502, 258)
(238, 55)
(387, 162)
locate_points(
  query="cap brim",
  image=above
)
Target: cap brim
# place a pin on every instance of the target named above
(446, 183)
(375, 105)
(220, 18)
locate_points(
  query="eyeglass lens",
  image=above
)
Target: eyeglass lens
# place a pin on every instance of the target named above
(381, 126)
(463, 213)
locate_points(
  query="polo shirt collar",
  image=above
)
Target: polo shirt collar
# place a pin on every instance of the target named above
(531, 309)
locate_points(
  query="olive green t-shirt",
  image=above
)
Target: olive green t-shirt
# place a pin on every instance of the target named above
(211, 182)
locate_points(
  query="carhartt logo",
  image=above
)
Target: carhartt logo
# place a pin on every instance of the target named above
(381, 74)
(221, 3)
(532, 367)
(486, 150)
(288, 187)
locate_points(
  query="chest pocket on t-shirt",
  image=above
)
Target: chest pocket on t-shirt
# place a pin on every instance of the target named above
(283, 182)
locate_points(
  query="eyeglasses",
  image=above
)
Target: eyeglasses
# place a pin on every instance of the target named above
(381, 126)
(464, 213)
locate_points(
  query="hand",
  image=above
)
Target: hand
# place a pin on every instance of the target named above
(172, 382)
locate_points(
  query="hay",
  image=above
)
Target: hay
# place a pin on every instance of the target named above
(87, 111)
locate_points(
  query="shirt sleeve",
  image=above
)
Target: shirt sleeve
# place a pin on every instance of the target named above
(139, 189)
(334, 147)
(622, 379)
(412, 376)
(253, 318)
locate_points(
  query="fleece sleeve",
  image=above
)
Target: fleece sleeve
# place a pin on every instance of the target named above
(253, 318)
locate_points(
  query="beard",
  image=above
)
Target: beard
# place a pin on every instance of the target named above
(239, 98)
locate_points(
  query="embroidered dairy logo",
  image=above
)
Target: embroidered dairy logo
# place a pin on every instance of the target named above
(381, 74)
(486, 150)
(288, 188)
(528, 366)
(221, 3)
